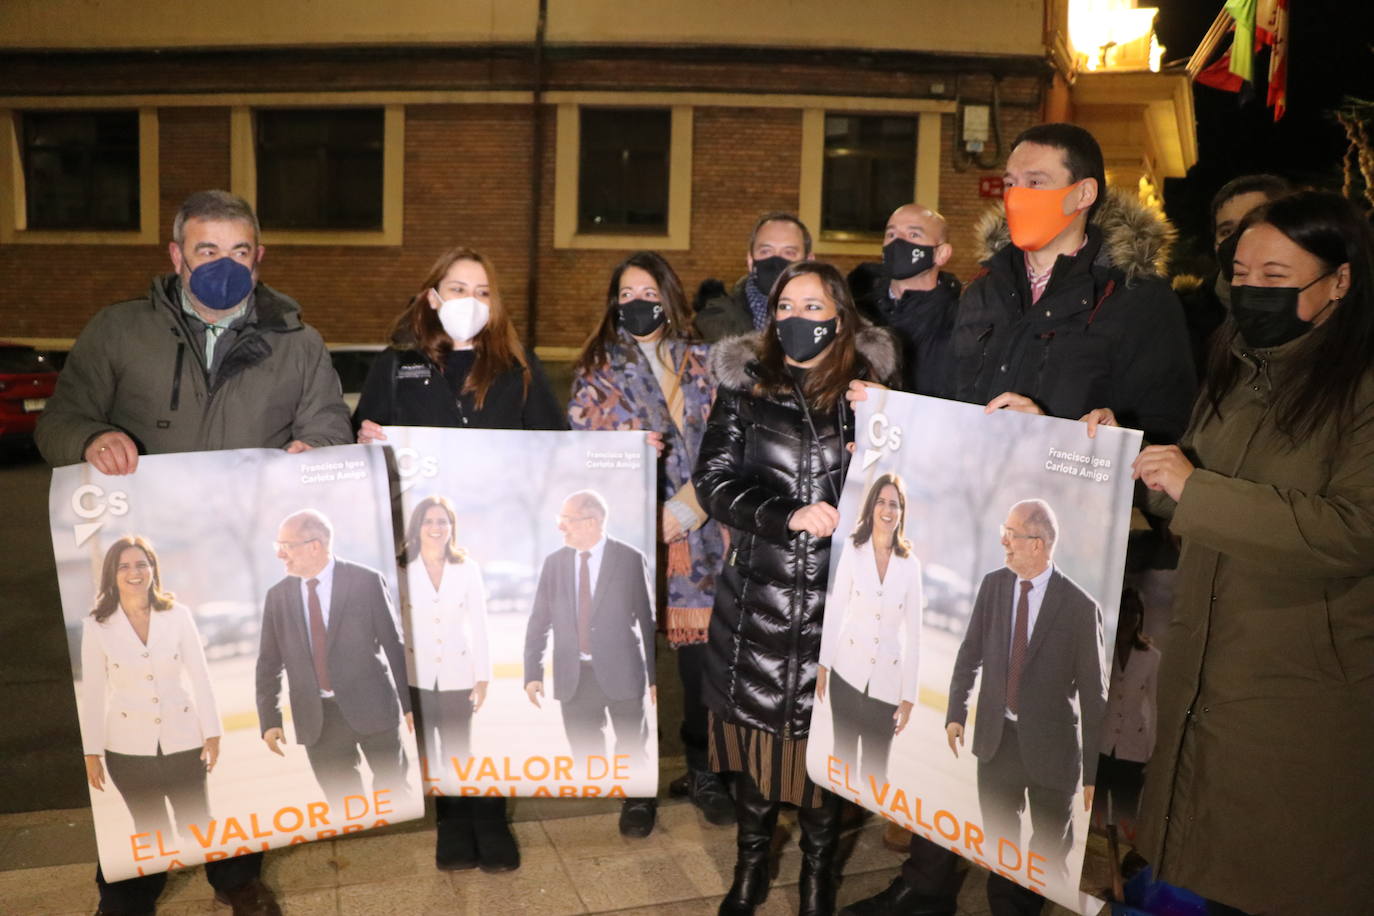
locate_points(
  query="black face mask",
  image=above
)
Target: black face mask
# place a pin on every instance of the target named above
(804, 339)
(904, 260)
(766, 272)
(641, 317)
(1267, 316)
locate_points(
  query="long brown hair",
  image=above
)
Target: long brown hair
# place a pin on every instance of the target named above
(677, 327)
(864, 530)
(452, 552)
(107, 596)
(825, 384)
(497, 345)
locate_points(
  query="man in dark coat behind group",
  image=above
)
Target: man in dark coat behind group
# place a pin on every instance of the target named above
(913, 296)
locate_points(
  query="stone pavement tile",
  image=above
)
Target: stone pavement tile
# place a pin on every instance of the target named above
(413, 896)
(361, 859)
(65, 837)
(320, 902)
(647, 877)
(304, 867)
(702, 906)
(50, 890)
(548, 809)
(679, 861)
(541, 886)
(364, 859)
(55, 836)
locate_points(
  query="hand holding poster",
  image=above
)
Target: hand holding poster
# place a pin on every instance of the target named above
(978, 565)
(189, 589)
(528, 576)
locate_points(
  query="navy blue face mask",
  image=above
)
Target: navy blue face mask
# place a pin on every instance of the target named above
(221, 284)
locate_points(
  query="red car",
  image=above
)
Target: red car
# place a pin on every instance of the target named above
(27, 378)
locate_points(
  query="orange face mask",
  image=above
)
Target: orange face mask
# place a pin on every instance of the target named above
(1036, 216)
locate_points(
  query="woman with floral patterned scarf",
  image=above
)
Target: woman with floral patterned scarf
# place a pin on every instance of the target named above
(640, 369)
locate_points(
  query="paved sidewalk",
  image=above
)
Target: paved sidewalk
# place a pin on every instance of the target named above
(574, 861)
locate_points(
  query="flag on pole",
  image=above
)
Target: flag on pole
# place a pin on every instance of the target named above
(1218, 75)
(1243, 45)
(1271, 26)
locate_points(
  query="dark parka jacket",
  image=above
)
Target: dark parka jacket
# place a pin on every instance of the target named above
(138, 367)
(760, 462)
(727, 315)
(923, 321)
(1259, 791)
(1107, 332)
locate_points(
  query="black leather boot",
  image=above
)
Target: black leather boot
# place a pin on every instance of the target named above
(455, 847)
(496, 848)
(757, 817)
(820, 838)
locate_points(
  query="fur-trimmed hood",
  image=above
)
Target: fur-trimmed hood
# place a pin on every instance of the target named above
(732, 357)
(1136, 239)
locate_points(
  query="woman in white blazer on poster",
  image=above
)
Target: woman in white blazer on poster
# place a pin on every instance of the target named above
(140, 651)
(870, 660)
(446, 647)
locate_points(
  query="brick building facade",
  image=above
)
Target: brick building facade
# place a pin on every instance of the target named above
(461, 153)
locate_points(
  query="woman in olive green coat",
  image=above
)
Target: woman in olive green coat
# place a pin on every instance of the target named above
(1260, 793)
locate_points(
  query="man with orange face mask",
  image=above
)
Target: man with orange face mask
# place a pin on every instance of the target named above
(1071, 316)
(1072, 313)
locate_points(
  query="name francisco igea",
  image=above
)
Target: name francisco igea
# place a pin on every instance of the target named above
(1090, 467)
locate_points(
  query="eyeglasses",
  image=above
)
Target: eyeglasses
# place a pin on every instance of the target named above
(569, 519)
(1008, 533)
(282, 545)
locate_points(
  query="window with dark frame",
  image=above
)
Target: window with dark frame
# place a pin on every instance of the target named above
(869, 171)
(81, 169)
(623, 170)
(320, 169)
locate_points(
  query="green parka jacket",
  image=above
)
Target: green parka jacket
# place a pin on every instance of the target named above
(136, 367)
(1259, 793)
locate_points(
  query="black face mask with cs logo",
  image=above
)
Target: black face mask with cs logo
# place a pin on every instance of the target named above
(804, 339)
(1267, 316)
(641, 317)
(903, 260)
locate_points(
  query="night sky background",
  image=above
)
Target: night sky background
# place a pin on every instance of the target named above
(1330, 57)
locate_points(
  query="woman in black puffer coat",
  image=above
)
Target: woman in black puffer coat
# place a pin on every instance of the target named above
(771, 466)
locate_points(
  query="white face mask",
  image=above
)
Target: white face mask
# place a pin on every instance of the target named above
(463, 319)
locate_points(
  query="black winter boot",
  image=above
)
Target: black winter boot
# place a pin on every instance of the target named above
(455, 849)
(820, 838)
(757, 817)
(496, 849)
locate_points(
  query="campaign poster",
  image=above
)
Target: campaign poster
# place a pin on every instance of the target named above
(529, 605)
(975, 581)
(237, 652)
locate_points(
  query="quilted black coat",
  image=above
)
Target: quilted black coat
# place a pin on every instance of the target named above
(760, 462)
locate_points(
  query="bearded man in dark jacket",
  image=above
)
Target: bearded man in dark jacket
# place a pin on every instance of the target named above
(1071, 316)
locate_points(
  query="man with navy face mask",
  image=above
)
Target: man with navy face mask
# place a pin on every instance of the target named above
(209, 359)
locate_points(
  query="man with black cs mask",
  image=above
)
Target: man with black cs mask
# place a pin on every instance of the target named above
(915, 298)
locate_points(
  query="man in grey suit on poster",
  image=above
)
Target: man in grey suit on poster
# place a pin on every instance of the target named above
(594, 596)
(326, 625)
(1038, 638)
